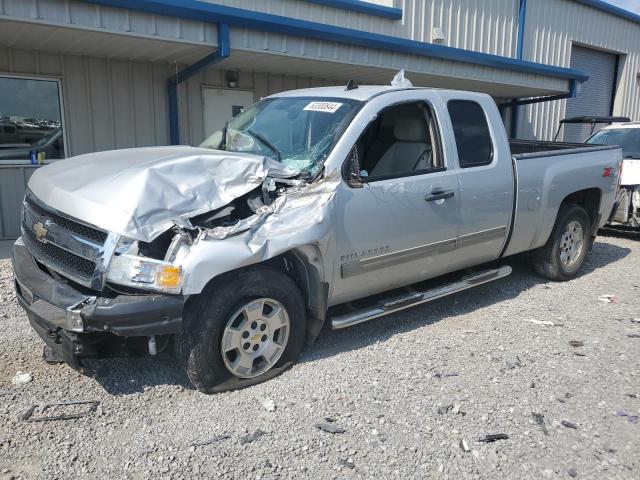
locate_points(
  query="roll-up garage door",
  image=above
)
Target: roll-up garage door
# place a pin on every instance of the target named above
(596, 94)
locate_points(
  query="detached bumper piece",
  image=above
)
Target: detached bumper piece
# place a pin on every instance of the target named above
(74, 324)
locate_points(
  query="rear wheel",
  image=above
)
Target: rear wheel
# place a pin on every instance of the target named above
(242, 330)
(566, 250)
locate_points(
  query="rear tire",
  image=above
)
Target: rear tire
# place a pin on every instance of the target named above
(242, 330)
(566, 249)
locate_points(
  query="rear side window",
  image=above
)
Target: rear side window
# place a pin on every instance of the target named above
(471, 132)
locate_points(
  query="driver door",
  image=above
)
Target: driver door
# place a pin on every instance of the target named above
(399, 224)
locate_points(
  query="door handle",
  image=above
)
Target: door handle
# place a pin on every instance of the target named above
(439, 194)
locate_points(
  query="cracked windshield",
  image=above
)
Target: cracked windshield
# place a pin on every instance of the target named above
(298, 132)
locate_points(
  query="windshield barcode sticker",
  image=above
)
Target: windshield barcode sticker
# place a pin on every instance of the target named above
(328, 107)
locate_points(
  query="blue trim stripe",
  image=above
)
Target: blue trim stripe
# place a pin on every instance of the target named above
(522, 19)
(522, 22)
(362, 7)
(612, 9)
(235, 17)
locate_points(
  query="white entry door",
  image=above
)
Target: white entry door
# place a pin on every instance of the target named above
(221, 105)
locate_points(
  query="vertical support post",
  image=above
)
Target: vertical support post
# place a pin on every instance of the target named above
(174, 120)
(522, 17)
(173, 82)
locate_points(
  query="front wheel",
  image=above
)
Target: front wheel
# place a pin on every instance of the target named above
(566, 250)
(242, 330)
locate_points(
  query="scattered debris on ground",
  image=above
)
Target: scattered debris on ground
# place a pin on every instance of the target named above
(446, 374)
(252, 437)
(330, 428)
(493, 437)
(269, 405)
(216, 439)
(64, 411)
(630, 418)
(22, 378)
(608, 298)
(539, 419)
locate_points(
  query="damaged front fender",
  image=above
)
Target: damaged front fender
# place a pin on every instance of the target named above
(299, 217)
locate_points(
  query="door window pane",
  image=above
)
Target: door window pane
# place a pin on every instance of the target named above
(401, 141)
(471, 132)
(30, 120)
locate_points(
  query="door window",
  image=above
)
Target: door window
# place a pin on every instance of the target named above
(30, 120)
(402, 141)
(471, 131)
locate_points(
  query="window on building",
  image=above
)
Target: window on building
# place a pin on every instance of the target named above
(31, 126)
(402, 141)
(471, 132)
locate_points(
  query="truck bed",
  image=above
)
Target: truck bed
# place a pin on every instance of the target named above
(544, 172)
(521, 148)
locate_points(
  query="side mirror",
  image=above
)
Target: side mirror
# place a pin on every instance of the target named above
(353, 172)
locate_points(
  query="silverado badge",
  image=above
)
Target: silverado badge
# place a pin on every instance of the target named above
(40, 231)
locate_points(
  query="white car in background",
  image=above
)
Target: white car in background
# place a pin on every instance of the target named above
(627, 136)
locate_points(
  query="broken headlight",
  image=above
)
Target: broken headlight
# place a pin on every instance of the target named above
(130, 269)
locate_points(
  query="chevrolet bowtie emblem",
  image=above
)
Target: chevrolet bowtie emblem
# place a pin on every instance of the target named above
(40, 231)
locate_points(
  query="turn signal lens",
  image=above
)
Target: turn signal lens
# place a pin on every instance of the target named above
(169, 276)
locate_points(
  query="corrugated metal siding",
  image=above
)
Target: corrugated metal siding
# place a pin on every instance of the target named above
(552, 27)
(479, 25)
(262, 85)
(13, 180)
(81, 14)
(594, 97)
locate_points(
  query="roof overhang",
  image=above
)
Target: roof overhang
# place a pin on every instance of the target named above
(241, 18)
(426, 64)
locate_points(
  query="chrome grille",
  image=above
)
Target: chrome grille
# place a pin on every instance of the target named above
(71, 248)
(90, 233)
(60, 260)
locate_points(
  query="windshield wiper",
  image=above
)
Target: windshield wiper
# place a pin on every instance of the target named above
(265, 142)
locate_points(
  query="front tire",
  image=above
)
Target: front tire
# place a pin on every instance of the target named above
(566, 250)
(241, 330)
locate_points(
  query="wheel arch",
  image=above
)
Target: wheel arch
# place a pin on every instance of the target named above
(589, 199)
(304, 265)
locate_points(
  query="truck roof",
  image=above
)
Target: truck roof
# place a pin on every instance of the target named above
(362, 93)
(622, 125)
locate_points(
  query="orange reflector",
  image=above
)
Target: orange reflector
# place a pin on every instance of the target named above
(169, 276)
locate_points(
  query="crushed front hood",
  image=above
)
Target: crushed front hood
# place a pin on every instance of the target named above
(142, 192)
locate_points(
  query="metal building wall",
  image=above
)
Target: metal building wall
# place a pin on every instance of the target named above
(481, 25)
(13, 180)
(262, 85)
(552, 27)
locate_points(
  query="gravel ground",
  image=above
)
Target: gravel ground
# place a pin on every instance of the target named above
(412, 394)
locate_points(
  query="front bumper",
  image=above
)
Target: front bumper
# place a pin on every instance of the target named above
(72, 322)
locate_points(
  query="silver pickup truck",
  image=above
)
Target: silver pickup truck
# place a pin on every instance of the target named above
(327, 206)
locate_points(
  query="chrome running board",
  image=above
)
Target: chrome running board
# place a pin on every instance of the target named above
(387, 307)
